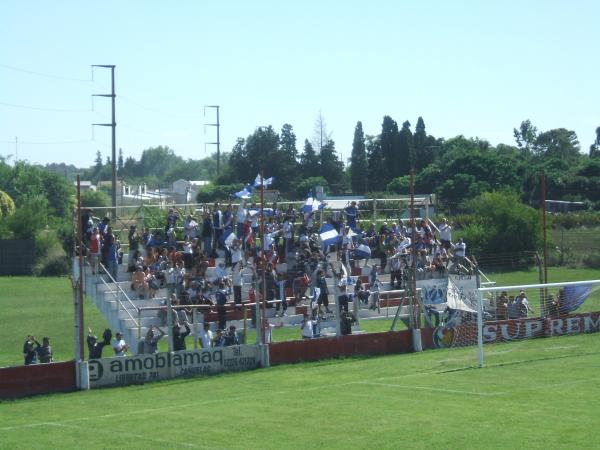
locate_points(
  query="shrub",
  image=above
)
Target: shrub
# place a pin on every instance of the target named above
(52, 266)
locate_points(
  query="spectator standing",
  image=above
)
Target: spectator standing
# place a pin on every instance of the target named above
(29, 350)
(94, 347)
(207, 233)
(221, 300)
(205, 336)
(179, 336)
(321, 284)
(217, 222)
(44, 351)
(351, 215)
(446, 234)
(120, 347)
(230, 338)
(190, 228)
(154, 335)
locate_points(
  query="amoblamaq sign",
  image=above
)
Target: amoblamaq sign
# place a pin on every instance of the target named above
(162, 366)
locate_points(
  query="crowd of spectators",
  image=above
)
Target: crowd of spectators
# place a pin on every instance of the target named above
(177, 256)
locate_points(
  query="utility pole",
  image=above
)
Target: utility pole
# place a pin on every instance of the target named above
(16, 150)
(113, 125)
(218, 142)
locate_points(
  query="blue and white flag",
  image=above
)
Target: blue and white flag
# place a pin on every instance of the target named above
(329, 235)
(312, 204)
(265, 181)
(362, 251)
(266, 211)
(574, 297)
(244, 193)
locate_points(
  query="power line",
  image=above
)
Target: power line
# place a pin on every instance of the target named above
(38, 108)
(147, 108)
(48, 142)
(46, 75)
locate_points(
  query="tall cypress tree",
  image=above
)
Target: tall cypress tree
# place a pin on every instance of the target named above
(389, 149)
(423, 147)
(376, 165)
(358, 161)
(405, 150)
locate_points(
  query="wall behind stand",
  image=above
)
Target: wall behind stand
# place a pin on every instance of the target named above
(23, 381)
(334, 347)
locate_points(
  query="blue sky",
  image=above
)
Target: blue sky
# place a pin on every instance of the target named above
(467, 67)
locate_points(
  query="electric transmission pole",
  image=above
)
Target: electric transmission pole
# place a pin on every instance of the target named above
(218, 142)
(113, 125)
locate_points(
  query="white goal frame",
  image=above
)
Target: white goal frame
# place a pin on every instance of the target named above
(482, 290)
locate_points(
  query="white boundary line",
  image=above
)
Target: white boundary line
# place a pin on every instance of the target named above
(431, 388)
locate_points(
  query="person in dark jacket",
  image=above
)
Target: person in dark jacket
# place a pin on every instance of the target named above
(179, 336)
(44, 351)
(94, 347)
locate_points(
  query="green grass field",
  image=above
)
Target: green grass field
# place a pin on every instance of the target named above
(535, 394)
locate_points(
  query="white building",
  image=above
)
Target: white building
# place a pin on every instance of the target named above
(184, 191)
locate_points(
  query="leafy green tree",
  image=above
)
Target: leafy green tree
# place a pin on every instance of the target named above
(358, 161)
(559, 143)
(7, 205)
(59, 193)
(502, 224)
(260, 152)
(526, 137)
(30, 216)
(308, 185)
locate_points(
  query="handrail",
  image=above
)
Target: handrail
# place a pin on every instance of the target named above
(103, 268)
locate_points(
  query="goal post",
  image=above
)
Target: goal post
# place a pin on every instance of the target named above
(512, 313)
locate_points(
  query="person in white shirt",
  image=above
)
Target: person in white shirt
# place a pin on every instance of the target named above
(206, 336)
(446, 234)
(269, 331)
(241, 218)
(119, 346)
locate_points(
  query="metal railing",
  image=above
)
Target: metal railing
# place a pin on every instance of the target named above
(116, 293)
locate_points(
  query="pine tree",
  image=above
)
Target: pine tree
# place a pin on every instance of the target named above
(389, 149)
(309, 161)
(376, 166)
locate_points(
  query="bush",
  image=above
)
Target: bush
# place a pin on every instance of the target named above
(53, 266)
(95, 199)
(219, 192)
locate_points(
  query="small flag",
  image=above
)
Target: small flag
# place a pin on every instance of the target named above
(244, 193)
(574, 297)
(265, 181)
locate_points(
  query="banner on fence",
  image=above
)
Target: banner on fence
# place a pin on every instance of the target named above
(161, 366)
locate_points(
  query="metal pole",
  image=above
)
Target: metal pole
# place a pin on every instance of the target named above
(114, 146)
(263, 321)
(413, 282)
(80, 296)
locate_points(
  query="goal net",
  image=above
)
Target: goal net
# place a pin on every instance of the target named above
(508, 315)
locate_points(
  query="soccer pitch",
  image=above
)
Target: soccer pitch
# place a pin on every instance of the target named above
(532, 394)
